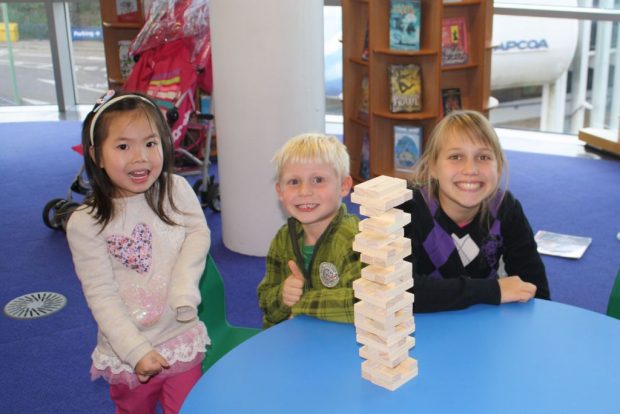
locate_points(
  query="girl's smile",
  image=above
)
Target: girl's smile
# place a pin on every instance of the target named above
(467, 172)
(132, 153)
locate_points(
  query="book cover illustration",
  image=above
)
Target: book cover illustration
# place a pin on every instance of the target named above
(563, 245)
(127, 10)
(405, 19)
(454, 43)
(365, 161)
(407, 144)
(451, 100)
(364, 101)
(405, 88)
(365, 46)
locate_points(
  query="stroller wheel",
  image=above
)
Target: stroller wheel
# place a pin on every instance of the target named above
(56, 213)
(202, 195)
(213, 197)
(79, 187)
(49, 213)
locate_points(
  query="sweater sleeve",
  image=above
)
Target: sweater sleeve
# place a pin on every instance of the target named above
(520, 251)
(191, 259)
(270, 288)
(94, 269)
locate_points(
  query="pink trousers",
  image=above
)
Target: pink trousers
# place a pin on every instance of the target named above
(170, 392)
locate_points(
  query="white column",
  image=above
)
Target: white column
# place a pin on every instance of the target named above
(600, 77)
(268, 86)
(554, 105)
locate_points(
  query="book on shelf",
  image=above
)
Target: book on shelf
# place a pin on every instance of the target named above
(365, 51)
(127, 11)
(405, 20)
(365, 160)
(364, 102)
(405, 87)
(407, 144)
(450, 100)
(563, 245)
(454, 41)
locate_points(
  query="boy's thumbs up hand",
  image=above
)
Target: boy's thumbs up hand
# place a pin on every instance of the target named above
(293, 286)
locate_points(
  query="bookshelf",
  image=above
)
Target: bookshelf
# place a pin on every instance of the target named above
(114, 31)
(472, 78)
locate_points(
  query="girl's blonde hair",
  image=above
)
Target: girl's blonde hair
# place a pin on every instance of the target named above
(313, 147)
(469, 125)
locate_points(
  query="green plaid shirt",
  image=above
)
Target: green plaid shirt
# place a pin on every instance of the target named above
(335, 248)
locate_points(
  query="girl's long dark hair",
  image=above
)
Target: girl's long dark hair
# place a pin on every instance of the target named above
(100, 199)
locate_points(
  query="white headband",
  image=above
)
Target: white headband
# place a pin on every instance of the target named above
(103, 103)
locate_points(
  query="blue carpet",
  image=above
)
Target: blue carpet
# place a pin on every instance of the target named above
(46, 360)
(577, 196)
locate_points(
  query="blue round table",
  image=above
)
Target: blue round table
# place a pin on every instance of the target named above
(537, 357)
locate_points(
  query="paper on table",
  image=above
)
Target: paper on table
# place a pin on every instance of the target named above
(563, 245)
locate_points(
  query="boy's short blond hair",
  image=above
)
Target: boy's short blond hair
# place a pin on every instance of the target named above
(313, 147)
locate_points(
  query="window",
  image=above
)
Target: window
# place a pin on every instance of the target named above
(53, 54)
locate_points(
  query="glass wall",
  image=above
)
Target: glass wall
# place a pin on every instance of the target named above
(88, 56)
(554, 66)
(555, 74)
(26, 55)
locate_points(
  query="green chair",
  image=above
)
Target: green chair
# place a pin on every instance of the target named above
(212, 311)
(613, 306)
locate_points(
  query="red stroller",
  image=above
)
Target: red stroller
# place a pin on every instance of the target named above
(173, 62)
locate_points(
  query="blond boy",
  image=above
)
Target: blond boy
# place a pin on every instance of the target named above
(310, 265)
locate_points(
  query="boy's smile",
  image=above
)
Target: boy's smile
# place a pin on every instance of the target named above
(312, 192)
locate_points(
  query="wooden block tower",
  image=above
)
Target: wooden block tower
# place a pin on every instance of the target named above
(383, 317)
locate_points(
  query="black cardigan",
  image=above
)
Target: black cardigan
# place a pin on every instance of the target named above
(459, 286)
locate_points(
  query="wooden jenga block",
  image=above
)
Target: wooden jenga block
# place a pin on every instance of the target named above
(379, 186)
(385, 223)
(384, 331)
(368, 292)
(372, 240)
(372, 212)
(391, 306)
(384, 275)
(381, 343)
(381, 294)
(390, 378)
(385, 202)
(390, 362)
(388, 359)
(379, 317)
(386, 255)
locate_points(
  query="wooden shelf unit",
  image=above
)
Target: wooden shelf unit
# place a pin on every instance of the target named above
(113, 32)
(473, 78)
(601, 139)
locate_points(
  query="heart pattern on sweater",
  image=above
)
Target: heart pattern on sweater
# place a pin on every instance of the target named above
(135, 252)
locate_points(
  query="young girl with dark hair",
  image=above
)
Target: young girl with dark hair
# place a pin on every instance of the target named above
(139, 245)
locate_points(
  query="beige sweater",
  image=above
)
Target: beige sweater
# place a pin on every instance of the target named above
(138, 271)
